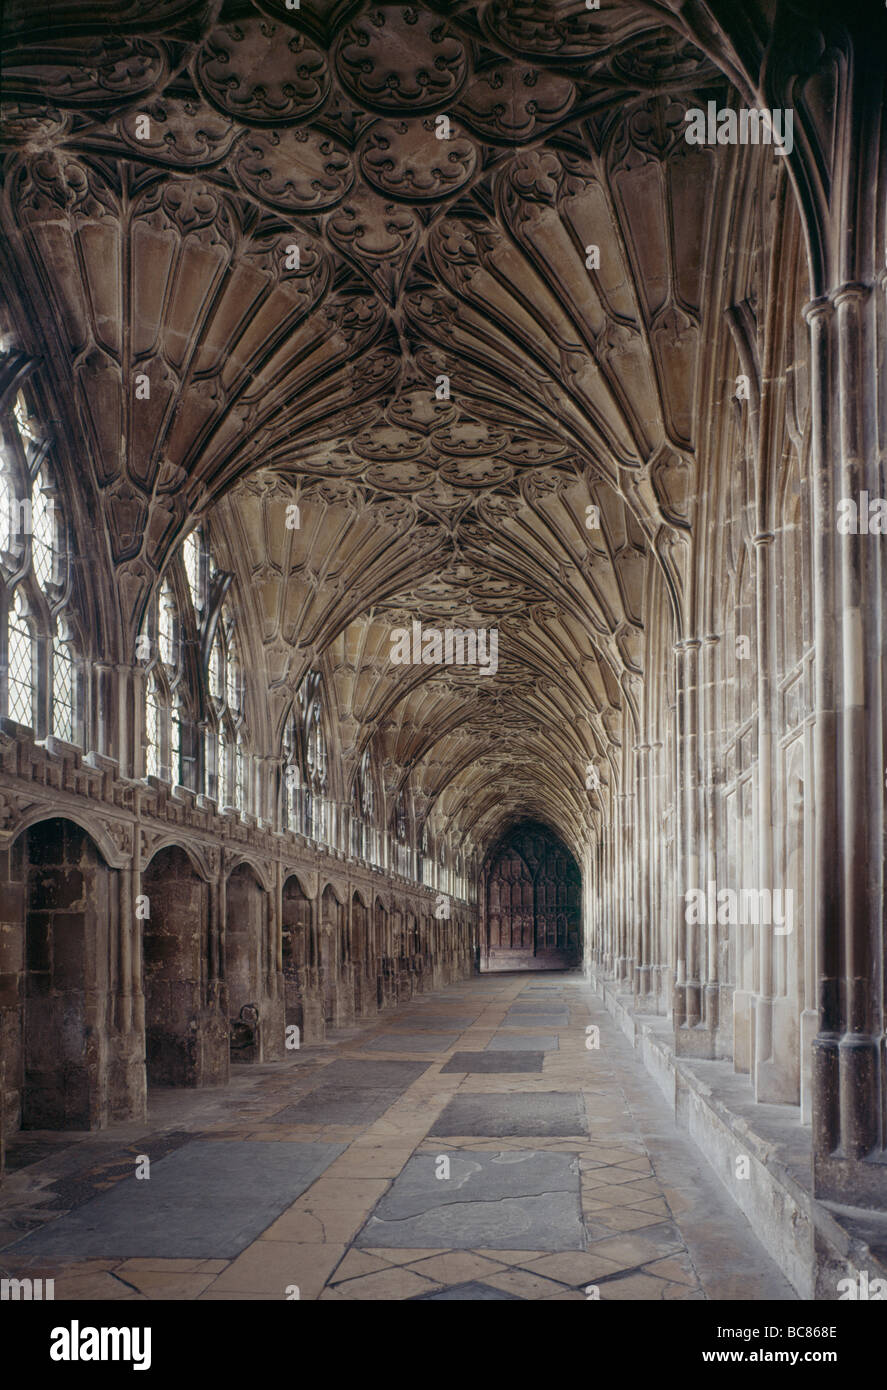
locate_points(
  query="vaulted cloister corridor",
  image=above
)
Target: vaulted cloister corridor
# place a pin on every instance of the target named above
(469, 1147)
(443, 570)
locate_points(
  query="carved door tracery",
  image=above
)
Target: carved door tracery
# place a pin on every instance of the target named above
(532, 897)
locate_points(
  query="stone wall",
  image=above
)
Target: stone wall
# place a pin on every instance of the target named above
(137, 927)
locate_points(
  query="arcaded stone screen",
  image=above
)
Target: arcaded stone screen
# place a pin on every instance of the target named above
(533, 901)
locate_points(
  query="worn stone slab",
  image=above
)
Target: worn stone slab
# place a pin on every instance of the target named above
(434, 1023)
(521, 1200)
(545, 1018)
(413, 1042)
(537, 1006)
(339, 1105)
(353, 1071)
(496, 1061)
(514, 1113)
(208, 1200)
(523, 1042)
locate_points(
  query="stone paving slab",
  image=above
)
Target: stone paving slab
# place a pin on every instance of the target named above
(540, 1006)
(513, 1113)
(187, 1208)
(545, 1018)
(519, 1200)
(413, 1042)
(496, 1061)
(353, 1071)
(434, 1023)
(523, 1042)
(656, 1224)
(474, 1293)
(339, 1105)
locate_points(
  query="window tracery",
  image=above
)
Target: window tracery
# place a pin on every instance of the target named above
(39, 658)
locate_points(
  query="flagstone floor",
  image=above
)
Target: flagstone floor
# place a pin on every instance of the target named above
(468, 1146)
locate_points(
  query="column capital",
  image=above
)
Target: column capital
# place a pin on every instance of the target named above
(852, 289)
(814, 308)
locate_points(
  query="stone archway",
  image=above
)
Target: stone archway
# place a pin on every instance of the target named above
(532, 897)
(246, 964)
(331, 926)
(364, 999)
(380, 951)
(186, 1041)
(59, 1054)
(296, 954)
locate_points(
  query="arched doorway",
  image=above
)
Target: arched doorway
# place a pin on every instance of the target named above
(186, 1042)
(364, 998)
(58, 956)
(331, 923)
(246, 964)
(296, 952)
(380, 951)
(532, 902)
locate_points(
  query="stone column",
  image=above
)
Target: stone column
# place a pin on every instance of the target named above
(129, 722)
(127, 928)
(848, 1099)
(643, 955)
(215, 940)
(770, 1080)
(687, 989)
(711, 1006)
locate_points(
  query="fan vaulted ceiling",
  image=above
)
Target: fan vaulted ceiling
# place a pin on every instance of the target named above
(161, 247)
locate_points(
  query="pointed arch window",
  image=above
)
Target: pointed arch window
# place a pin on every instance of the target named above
(161, 647)
(292, 816)
(166, 627)
(7, 510)
(401, 822)
(306, 763)
(228, 767)
(403, 858)
(39, 663)
(232, 676)
(363, 810)
(62, 690)
(195, 559)
(153, 723)
(195, 729)
(216, 670)
(21, 690)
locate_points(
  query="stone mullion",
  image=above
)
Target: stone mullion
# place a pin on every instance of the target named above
(129, 698)
(99, 715)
